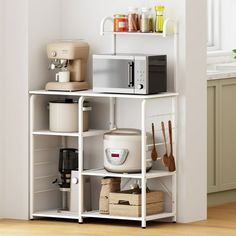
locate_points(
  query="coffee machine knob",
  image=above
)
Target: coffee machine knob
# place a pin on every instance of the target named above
(140, 86)
(53, 53)
(74, 180)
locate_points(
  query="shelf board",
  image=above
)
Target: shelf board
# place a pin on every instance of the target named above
(55, 214)
(160, 216)
(134, 33)
(96, 214)
(151, 174)
(88, 133)
(90, 93)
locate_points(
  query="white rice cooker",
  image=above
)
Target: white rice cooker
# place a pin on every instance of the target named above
(122, 151)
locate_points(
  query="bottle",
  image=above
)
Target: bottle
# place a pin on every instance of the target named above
(146, 21)
(120, 23)
(159, 18)
(133, 19)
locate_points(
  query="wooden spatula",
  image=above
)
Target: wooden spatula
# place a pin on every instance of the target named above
(171, 161)
(154, 151)
(165, 158)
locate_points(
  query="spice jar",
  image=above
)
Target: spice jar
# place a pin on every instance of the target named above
(146, 21)
(133, 19)
(159, 18)
(120, 23)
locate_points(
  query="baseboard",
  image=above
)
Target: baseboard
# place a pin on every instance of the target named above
(219, 198)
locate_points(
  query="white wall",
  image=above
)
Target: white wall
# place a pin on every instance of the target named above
(15, 109)
(44, 27)
(227, 27)
(81, 19)
(192, 173)
(28, 26)
(1, 104)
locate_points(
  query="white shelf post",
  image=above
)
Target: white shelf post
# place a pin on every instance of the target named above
(112, 122)
(174, 177)
(143, 180)
(80, 145)
(31, 162)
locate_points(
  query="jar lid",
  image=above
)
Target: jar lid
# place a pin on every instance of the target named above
(146, 9)
(120, 15)
(132, 9)
(159, 8)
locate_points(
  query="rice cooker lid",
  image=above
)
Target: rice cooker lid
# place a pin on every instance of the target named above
(124, 132)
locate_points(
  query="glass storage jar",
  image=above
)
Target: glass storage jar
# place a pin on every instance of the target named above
(146, 20)
(120, 23)
(133, 19)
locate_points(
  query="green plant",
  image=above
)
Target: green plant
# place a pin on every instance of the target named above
(234, 50)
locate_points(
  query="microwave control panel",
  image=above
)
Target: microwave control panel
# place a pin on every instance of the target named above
(140, 75)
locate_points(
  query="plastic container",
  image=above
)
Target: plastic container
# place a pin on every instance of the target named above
(146, 20)
(133, 19)
(120, 23)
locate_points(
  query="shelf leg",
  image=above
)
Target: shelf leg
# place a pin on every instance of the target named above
(174, 197)
(112, 123)
(32, 119)
(144, 180)
(174, 177)
(80, 145)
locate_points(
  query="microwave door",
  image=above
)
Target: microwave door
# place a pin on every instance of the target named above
(113, 75)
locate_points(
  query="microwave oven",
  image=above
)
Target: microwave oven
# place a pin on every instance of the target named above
(130, 74)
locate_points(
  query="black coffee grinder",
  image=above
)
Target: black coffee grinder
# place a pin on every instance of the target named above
(68, 161)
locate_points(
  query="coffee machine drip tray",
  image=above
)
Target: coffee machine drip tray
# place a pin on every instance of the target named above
(67, 86)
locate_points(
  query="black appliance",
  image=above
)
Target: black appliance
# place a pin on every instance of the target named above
(68, 161)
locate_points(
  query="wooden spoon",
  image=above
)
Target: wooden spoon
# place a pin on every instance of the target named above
(165, 158)
(154, 151)
(171, 166)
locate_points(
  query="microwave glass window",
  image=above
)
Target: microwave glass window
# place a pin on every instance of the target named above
(111, 73)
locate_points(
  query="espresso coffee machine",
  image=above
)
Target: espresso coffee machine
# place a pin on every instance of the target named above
(69, 60)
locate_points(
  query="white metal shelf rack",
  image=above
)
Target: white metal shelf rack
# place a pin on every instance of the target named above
(143, 176)
(170, 29)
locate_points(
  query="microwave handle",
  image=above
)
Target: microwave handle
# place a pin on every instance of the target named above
(130, 74)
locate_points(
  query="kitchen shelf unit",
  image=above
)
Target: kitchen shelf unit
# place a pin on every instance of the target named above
(143, 176)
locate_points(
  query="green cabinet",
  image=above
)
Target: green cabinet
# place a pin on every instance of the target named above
(221, 134)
